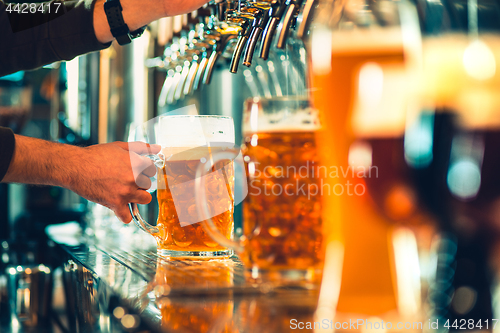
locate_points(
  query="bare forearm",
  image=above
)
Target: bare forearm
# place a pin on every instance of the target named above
(42, 162)
(137, 13)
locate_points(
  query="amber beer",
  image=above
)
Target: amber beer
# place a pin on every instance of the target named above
(181, 315)
(180, 171)
(282, 212)
(368, 275)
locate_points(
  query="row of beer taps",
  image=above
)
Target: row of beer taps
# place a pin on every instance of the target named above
(234, 30)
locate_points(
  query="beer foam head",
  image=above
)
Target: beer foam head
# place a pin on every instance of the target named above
(300, 121)
(279, 115)
(382, 100)
(195, 131)
(367, 40)
(174, 154)
(352, 41)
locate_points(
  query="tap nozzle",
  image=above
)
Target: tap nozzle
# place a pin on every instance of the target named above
(201, 70)
(278, 10)
(222, 37)
(307, 15)
(263, 16)
(207, 77)
(244, 22)
(252, 43)
(289, 19)
(238, 51)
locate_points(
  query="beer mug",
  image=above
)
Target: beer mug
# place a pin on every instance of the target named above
(187, 141)
(363, 56)
(282, 227)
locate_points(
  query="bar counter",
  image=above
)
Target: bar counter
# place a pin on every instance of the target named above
(113, 287)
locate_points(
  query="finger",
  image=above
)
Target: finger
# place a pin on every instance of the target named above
(140, 148)
(141, 197)
(150, 171)
(143, 182)
(123, 214)
(142, 164)
(139, 164)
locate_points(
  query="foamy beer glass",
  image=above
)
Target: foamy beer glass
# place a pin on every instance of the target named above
(282, 227)
(360, 52)
(188, 141)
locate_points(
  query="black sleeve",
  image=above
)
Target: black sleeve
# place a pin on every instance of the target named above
(7, 144)
(29, 41)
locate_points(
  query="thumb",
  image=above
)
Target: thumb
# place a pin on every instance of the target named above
(140, 148)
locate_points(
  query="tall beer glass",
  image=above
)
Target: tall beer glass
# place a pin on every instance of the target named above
(282, 212)
(360, 56)
(188, 141)
(282, 238)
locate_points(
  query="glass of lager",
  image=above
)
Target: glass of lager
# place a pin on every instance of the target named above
(282, 238)
(188, 141)
(363, 56)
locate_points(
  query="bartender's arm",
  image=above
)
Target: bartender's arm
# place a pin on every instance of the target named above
(102, 173)
(71, 28)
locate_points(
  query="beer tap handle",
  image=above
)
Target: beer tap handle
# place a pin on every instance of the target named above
(173, 87)
(252, 42)
(264, 12)
(210, 66)
(167, 85)
(290, 16)
(307, 15)
(179, 90)
(199, 73)
(222, 38)
(268, 37)
(278, 8)
(189, 85)
(243, 23)
(238, 51)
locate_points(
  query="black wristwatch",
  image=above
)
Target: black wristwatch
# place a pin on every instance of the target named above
(119, 29)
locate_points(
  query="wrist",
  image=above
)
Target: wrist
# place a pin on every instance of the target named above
(136, 14)
(67, 166)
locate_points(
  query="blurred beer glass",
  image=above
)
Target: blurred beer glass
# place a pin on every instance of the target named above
(188, 141)
(363, 58)
(282, 238)
(457, 167)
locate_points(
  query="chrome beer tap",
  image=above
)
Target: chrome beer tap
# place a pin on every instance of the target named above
(170, 65)
(202, 59)
(307, 15)
(190, 54)
(206, 20)
(289, 21)
(221, 36)
(196, 51)
(278, 9)
(244, 20)
(263, 14)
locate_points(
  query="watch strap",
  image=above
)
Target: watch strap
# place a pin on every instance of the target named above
(119, 29)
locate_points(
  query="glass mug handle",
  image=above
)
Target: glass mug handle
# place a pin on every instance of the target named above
(201, 198)
(159, 162)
